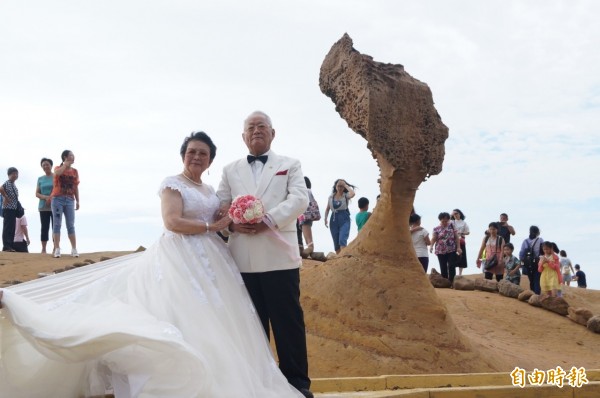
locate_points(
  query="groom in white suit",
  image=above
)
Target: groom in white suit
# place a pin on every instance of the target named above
(269, 262)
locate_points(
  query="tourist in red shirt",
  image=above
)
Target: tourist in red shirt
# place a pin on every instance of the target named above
(65, 200)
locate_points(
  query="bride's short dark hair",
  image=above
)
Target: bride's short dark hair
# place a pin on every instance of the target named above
(199, 136)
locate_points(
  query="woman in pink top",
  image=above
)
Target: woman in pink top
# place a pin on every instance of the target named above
(493, 246)
(446, 242)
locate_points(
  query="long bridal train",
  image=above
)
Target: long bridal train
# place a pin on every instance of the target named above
(173, 321)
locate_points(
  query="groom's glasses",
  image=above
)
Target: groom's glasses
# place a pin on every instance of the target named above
(258, 127)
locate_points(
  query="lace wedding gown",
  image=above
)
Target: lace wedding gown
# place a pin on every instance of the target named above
(173, 321)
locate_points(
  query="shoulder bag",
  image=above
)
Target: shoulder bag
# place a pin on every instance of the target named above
(493, 261)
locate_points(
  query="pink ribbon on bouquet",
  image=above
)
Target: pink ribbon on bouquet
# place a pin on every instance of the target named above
(291, 251)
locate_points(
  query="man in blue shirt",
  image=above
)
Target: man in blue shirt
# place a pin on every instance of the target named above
(580, 277)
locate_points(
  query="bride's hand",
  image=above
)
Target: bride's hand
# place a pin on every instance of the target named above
(220, 224)
(223, 210)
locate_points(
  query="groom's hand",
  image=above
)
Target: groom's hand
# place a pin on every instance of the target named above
(241, 228)
(261, 227)
(251, 229)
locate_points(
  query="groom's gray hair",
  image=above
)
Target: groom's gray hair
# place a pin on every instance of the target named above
(259, 113)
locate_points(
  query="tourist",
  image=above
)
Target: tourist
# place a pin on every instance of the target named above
(494, 247)
(549, 269)
(486, 234)
(580, 277)
(458, 220)
(505, 230)
(311, 214)
(445, 240)
(337, 203)
(512, 265)
(420, 239)
(363, 215)
(10, 196)
(533, 244)
(43, 191)
(21, 239)
(566, 268)
(65, 200)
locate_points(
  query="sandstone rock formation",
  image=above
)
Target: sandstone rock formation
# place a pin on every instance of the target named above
(509, 289)
(535, 300)
(438, 281)
(526, 295)
(462, 283)
(486, 285)
(556, 304)
(580, 315)
(371, 310)
(318, 256)
(593, 324)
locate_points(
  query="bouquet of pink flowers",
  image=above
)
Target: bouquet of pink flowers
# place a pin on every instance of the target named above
(246, 209)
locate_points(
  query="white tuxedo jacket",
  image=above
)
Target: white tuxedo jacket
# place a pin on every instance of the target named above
(283, 192)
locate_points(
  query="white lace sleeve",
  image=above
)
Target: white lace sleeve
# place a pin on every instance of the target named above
(171, 182)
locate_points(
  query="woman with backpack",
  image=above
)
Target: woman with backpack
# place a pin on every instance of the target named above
(566, 268)
(530, 256)
(494, 257)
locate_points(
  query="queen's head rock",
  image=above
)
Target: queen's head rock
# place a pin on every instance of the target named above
(371, 310)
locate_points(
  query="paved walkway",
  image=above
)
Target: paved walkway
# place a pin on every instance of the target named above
(363, 394)
(481, 385)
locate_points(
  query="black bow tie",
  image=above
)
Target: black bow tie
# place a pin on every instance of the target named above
(263, 158)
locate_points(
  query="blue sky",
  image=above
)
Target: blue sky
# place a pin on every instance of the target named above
(120, 83)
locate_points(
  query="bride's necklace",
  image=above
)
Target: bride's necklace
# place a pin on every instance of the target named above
(190, 180)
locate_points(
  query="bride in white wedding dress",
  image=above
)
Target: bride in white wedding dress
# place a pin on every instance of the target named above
(173, 321)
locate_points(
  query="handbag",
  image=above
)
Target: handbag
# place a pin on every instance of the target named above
(493, 261)
(20, 212)
(312, 212)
